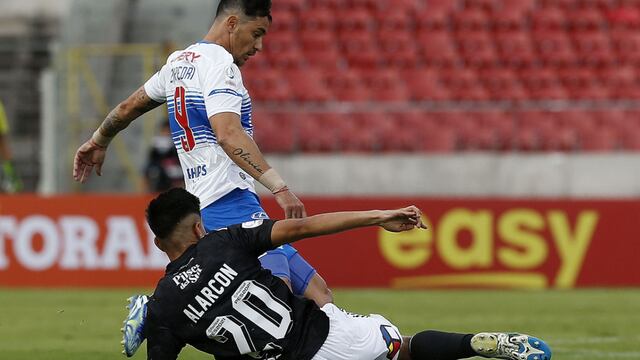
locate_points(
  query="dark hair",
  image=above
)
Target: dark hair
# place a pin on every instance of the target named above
(251, 8)
(169, 208)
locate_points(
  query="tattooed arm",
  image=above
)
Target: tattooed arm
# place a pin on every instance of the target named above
(93, 152)
(241, 148)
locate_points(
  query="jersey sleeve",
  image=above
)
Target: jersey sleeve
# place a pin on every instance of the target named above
(161, 343)
(222, 85)
(254, 236)
(155, 86)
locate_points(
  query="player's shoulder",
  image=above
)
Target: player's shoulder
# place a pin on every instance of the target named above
(212, 53)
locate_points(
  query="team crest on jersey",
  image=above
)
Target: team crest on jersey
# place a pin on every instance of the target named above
(230, 72)
(392, 339)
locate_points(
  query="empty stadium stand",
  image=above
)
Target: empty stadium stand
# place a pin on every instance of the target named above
(449, 75)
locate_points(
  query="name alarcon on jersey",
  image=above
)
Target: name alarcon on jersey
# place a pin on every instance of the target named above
(210, 293)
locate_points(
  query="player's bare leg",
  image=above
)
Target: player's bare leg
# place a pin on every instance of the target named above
(318, 291)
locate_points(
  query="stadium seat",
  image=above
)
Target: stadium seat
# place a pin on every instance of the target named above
(546, 19)
(307, 85)
(360, 50)
(582, 84)
(554, 48)
(346, 86)
(424, 84)
(286, 20)
(464, 85)
(542, 84)
(317, 19)
(470, 19)
(515, 48)
(502, 84)
(476, 48)
(384, 85)
(397, 49)
(594, 48)
(317, 133)
(627, 46)
(586, 19)
(358, 20)
(600, 140)
(274, 133)
(268, 85)
(511, 15)
(437, 48)
(434, 15)
(622, 82)
(394, 19)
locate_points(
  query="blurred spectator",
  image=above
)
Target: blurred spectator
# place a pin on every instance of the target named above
(163, 170)
(9, 179)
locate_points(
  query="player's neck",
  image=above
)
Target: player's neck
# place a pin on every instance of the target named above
(218, 35)
(175, 251)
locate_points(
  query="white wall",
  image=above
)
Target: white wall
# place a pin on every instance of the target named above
(550, 175)
(55, 8)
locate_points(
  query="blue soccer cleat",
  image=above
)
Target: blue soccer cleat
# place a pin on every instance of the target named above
(510, 346)
(133, 330)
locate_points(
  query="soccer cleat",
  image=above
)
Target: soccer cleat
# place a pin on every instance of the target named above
(133, 330)
(510, 346)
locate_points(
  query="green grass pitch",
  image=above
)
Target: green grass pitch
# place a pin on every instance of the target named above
(585, 324)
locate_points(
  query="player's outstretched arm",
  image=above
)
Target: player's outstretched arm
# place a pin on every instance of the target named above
(92, 152)
(245, 153)
(287, 231)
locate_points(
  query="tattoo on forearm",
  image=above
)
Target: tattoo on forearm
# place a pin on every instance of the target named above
(246, 156)
(114, 122)
(145, 102)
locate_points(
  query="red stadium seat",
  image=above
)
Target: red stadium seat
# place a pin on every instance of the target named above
(631, 139)
(586, 19)
(515, 48)
(554, 48)
(582, 84)
(594, 48)
(464, 85)
(424, 84)
(434, 14)
(360, 50)
(437, 48)
(321, 49)
(546, 19)
(476, 48)
(394, 19)
(621, 82)
(600, 140)
(502, 84)
(318, 19)
(307, 85)
(627, 46)
(443, 140)
(346, 86)
(397, 49)
(543, 84)
(285, 20)
(384, 85)
(470, 19)
(358, 20)
(318, 133)
(274, 132)
(511, 14)
(268, 85)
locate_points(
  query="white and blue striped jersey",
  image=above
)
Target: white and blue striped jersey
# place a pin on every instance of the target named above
(198, 83)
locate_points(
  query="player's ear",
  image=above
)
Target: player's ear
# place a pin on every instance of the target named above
(232, 23)
(198, 230)
(158, 243)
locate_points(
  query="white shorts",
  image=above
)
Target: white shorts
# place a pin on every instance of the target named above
(359, 337)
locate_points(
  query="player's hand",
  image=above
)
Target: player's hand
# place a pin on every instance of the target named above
(88, 155)
(292, 206)
(402, 219)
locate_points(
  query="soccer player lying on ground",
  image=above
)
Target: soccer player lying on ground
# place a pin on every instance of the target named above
(216, 297)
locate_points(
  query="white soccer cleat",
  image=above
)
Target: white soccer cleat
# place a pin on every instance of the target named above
(512, 346)
(133, 330)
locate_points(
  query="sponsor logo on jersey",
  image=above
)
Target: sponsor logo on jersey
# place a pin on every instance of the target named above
(187, 277)
(392, 340)
(243, 176)
(196, 172)
(260, 215)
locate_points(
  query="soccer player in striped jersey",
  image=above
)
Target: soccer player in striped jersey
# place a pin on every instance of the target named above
(212, 126)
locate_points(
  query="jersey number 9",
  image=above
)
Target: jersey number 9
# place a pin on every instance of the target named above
(182, 118)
